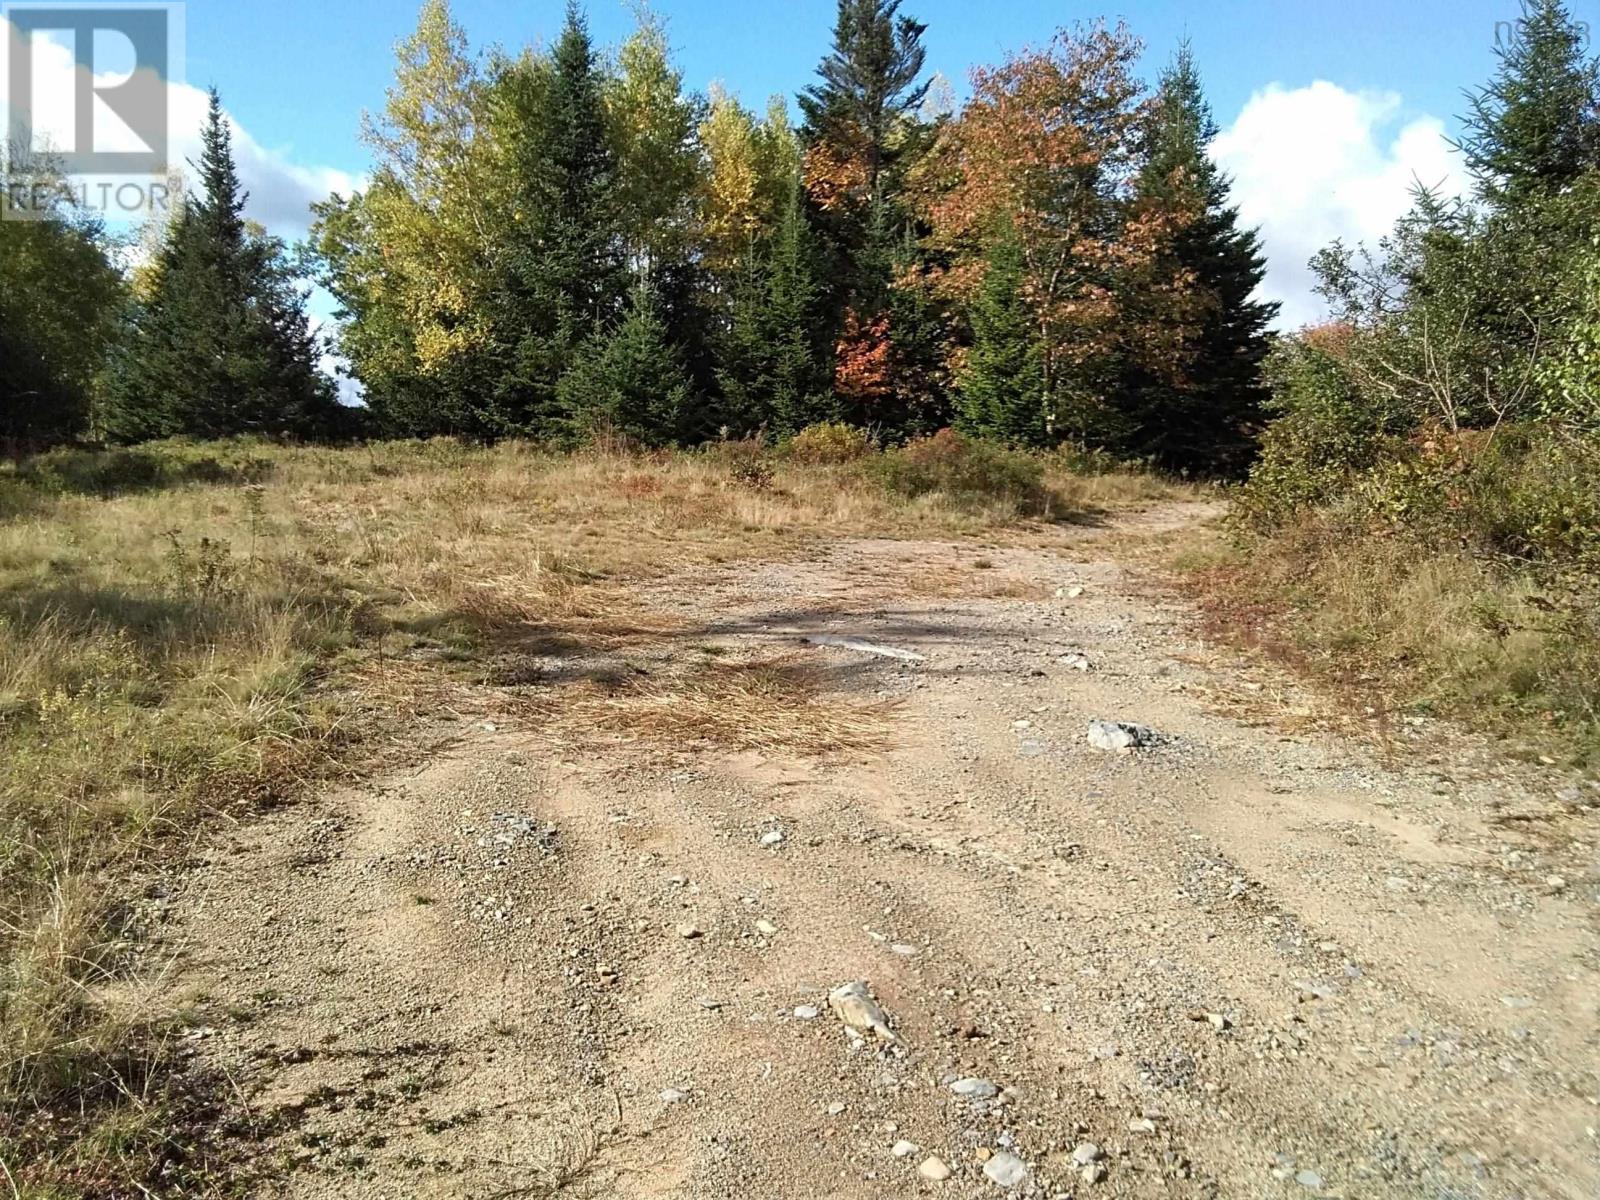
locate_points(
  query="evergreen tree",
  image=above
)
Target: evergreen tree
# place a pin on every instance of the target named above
(869, 82)
(565, 277)
(1198, 408)
(631, 381)
(222, 344)
(776, 355)
(1536, 127)
(1000, 392)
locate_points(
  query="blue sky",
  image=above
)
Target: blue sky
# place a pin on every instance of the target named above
(297, 73)
(1329, 111)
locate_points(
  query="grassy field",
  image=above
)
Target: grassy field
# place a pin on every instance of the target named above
(188, 629)
(1408, 629)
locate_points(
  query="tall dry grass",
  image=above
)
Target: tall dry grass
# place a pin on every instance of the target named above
(1423, 629)
(184, 628)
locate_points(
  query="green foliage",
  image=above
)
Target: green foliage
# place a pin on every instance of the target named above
(1535, 128)
(630, 381)
(653, 127)
(1327, 429)
(1000, 393)
(1199, 406)
(775, 370)
(1569, 375)
(221, 345)
(868, 82)
(953, 465)
(59, 302)
(564, 277)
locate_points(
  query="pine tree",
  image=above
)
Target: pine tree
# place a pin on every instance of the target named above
(565, 279)
(1000, 391)
(1536, 127)
(1197, 409)
(632, 380)
(222, 344)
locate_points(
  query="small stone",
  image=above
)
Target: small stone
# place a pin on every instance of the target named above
(1006, 1169)
(837, 1107)
(1074, 662)
(1085, 1153)
(690, 931)
(1094, 1173)
(1309, 1180)
(974, 1089)
(903, 950)
(673, 1096)
(773, 837)
(1142, 1125)
(1516, 1001)
(1119, 735)
(854, 1005)
(1217, 1021)
(1555, 883)
(904, 1149)
(808, 1012)
(933, 1170)
(709, 1003)
(766, 928)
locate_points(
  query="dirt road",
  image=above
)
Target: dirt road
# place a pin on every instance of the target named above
(1254, 959)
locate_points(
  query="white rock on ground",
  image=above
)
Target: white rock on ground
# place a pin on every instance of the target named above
(1006, 1169)
(933, 1170)
(854, 1005)
(1119, 735)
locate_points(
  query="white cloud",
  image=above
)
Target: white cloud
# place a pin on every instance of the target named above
(281, 188)
(1316, 163)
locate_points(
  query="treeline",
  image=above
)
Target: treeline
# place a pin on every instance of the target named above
(561, 243)
(558, 243)
(198, 328)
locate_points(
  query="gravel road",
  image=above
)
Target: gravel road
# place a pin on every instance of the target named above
(1253, 958)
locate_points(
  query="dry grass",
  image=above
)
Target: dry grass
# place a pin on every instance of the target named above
(778, 703)
(183, 628)
(1397, 626)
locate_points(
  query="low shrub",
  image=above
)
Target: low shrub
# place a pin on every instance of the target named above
(120, 472)
(829, 442)
(951, 464)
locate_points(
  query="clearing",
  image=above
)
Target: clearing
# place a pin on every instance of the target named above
(581, 942)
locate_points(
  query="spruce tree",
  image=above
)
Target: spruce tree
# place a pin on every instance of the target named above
(565, 277)
(1200, 410)
(1535, 128)
(861, 123)
(631, 381)
(221, 345)
(869, 82)
(1000, 392)
(776, 356)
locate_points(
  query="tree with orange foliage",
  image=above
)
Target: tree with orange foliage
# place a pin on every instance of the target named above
(1046, 154)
